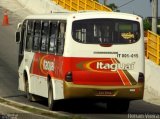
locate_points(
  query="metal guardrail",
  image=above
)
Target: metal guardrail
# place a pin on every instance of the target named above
(76, 5)
(153, 47)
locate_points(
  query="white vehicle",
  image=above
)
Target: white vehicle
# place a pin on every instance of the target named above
(83, 55)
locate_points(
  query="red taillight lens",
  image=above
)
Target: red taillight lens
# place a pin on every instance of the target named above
(68, 77)
(141, 78)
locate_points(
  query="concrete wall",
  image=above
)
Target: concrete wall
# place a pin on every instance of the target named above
(41, 6)
(152, 77)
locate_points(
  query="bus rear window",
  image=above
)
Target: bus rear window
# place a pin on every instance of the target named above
(106, 31)
(125, 27)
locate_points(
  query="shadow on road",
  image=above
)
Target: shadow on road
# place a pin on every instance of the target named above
(78, 107)
(13, 96)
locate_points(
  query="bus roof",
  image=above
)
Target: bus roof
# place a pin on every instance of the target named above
(57, 15)
(83, 15)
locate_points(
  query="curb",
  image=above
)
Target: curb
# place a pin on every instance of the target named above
(35, 110)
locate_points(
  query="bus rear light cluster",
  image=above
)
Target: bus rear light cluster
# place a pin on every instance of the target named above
(141, 78)
(68, 77)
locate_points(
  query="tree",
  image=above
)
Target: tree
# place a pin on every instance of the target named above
(113, 7)
(146, 24)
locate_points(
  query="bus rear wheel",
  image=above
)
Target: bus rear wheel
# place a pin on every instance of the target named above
(51, 101)
(28, 95)
(118, 106)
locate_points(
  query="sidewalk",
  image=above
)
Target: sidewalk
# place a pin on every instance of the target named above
(8, 112)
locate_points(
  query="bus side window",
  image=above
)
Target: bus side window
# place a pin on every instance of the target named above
(37, 35)
(61, 38)
(79, 32)
(45, 33)
(23, 35)
(29, 37)
(53, 37)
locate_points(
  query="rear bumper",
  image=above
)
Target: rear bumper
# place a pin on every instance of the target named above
(134, 92)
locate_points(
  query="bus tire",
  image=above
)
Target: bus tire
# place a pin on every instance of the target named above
(51, 101)
(118, 106)
(28, 95)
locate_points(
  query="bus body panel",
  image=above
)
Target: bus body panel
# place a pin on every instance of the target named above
(83, 79)
(37, 76)
(21, 81)
(103, 93)
(98, 60)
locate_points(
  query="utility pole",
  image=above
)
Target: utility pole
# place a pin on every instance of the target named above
(105, 2)
(154, 15)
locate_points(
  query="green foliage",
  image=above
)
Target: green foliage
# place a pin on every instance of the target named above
(147, 25)
(113, 7)
(158, 31)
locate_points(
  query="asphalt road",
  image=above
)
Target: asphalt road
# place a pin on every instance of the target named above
(9, 82)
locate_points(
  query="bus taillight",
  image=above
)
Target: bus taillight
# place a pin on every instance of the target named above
(141, 78)
(68, 77)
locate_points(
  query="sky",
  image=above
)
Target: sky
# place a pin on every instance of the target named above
(139, 7)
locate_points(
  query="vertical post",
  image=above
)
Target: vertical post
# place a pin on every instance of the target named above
(147, 44)
(85, 4)
(70, 4)
(94, 5)
(101, 7)
(154, 15)
(157, 39)
(158, 50)
(64, 4)
(77, 5)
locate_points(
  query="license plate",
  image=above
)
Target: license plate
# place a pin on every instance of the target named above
(104, 93)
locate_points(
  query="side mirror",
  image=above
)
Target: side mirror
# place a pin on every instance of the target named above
(19, 26)
(18, 37)
(18, 33)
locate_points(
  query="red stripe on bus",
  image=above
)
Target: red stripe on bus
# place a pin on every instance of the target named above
(124, 78)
